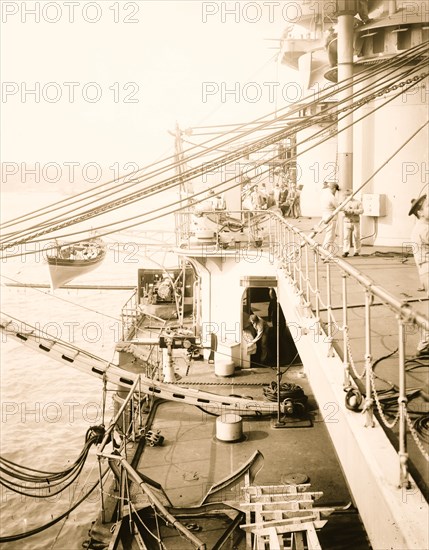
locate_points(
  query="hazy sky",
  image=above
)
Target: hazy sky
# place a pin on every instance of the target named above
(104, 81)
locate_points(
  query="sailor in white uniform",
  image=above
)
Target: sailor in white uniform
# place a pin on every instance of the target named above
(329, 204)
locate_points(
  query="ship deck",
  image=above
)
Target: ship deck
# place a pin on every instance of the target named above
(192, 458)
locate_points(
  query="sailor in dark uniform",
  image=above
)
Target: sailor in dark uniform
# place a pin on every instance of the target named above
(262, 329)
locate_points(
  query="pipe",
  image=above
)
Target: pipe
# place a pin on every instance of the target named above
(345, 127)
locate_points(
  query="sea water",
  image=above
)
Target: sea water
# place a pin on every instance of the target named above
(47, 406)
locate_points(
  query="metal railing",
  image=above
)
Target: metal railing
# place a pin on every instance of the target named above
(132, 319)
(228, 227)
(129, 316)
(323, 284)
(129, 414)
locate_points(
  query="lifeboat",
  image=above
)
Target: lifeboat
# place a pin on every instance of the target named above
(70, 260)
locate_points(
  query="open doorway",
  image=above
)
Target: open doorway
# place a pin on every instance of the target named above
(262, 302)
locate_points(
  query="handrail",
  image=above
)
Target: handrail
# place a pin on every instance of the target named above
(219, 222)
(130, 320)
(129, 306)
(303, 256)
(117, 416)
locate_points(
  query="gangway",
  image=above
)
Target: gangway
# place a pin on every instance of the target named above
(89, 363)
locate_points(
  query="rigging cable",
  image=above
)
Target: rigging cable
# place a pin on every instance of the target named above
(167, 182)
(44, 480)
(407, 59)
(30, 330)
(13, 538)
(156, 191)
(197, 194)
(64, 299)
(414, 82)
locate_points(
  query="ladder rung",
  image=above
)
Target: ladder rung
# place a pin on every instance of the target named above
(261, 531)
(282, 497)
(276, 489)
(278, 522)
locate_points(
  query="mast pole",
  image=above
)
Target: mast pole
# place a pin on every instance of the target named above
(391, 7)
(179, 157)
(346, 10)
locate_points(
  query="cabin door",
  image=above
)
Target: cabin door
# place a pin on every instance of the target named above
(262, 301)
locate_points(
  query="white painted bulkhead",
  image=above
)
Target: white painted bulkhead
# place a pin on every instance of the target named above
(403, 178)
(313, 166)
(222, 293)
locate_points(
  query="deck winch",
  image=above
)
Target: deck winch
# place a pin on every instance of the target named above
(292, 397)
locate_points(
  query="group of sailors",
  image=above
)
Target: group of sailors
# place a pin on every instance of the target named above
(283, 196)
(78, 252)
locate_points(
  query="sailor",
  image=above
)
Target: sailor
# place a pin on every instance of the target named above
(351, 225)
(329, 204)
(264, 193)
(293, 201)
(420, 240)
(297, 202)
(258, 202)
(219, 202)
(262, 335)
(283, 200)
(276, 194)
(362, 6)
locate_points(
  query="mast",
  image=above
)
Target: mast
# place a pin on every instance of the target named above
(179, 158)
(185, 188)
(346, 10)
(182, 219)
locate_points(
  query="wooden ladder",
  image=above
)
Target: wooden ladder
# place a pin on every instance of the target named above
(282, 517)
